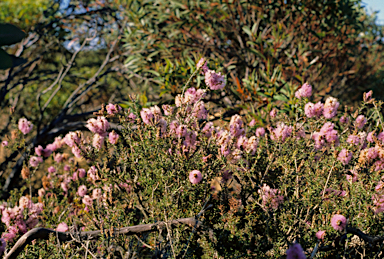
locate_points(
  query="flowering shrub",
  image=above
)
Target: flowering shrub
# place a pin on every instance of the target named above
(304, 186)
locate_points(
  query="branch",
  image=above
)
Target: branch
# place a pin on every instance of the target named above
(44, 233)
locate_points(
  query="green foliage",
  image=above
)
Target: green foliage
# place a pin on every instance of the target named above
(331, 44)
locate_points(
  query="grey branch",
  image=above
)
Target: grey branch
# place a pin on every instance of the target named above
(44, 233)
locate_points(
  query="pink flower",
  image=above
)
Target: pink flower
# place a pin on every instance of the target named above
(309, 110)
(98, 141)
(34, 161)
(98, 126)
(40, 151)
(4, 144)
(199, 110)
(330, 107)
(252, 123)
(82, 190)
(360, 121)
(270, 197)
(25, 126)
(370, 136)
(113, 108)
(281, 132)
(96, 193)
(304, 91)
(208, 129)
(251, 145)
(132, 117)
(195, 176)
(273, 113)
(338, 222)
(72, 138)
(295, 251)
(62, 227)
(353, 139)
(92, 173)
(344, 119)
(367, 96)
(51, 169)
(81, 172)
(113, 137)
(168, 110)
(201, 63)
(214, 80)
(58, 158)
(87, 200)
(41, 192)
(345, 156)
(260, 132)
(320, 234)
(67, 168)
(146, 115)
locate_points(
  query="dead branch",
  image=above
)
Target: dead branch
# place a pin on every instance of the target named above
(44, 233)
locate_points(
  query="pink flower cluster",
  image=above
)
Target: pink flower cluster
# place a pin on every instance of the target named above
(113, 109)
(98, 126)
(281, 133)
(195, 176)
(338, 222)
(25, 126)
(271, 198)
(20, 219)
(327, 134)
(329, 109)
(295, 251)
(305, 91)
(345, 156)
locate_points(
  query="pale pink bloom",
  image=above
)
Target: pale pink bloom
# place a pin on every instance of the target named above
(190, 139)
(92, 173)
(318, 109)
(25, 126)
(260, 132)
(344, 119)
(208, 129)
(3, 244)
(82, 190)
(4, 144)
(379, 165)
(241, 142)
(304, 91)
(64, 186)
(98, 141)
(195, 176)
(281, 132)
(320, 234)
(178, 100)
(41, 192)
(76, 151)
(236, 126)
(34, 161)
(295, 251)
(40, 151)
(96, 194)
(62, 227)
(344, 156)
(381, 136)
(163, 126)
(113, 108)
(270, 197)
(10, 233)
(360, 121)
(273, 113)
(58, 143)
(330, 107)
(201, 63)
(66, 168)
(58, 158)
(72, 138)
(132, 116)
(309, 110)
(168, 110)
(367, 96)
(199, 110)
(353, 139)
(87, 200)
(252, 123)
(21, 225)
(24, 202)
(181, 131)
(81, 172)
(113, 137)
(338, 222)
(98, 126)
(156, 113)
(370, 136)
(251, 145)
(147, 115)
(51, 169)
(215, 81)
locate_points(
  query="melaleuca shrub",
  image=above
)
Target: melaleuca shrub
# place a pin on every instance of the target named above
(294, 188)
